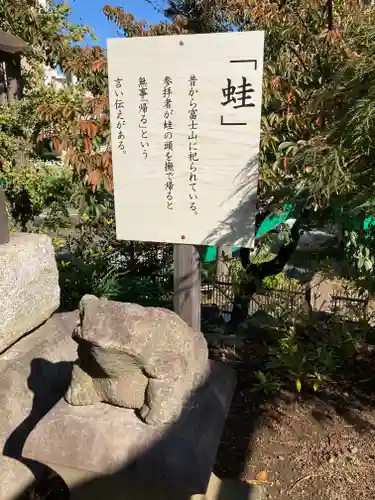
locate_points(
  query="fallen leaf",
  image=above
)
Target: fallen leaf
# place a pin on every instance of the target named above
(262, 476)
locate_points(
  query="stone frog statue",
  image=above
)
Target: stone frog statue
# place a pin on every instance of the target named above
(144, 358)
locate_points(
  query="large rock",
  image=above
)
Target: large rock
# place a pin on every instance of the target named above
(145, 358)
(29, 286)
(34, 374)
(104, 439)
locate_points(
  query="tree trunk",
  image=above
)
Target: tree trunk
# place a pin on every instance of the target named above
(223, 275)
(257, 272)
(222, 268)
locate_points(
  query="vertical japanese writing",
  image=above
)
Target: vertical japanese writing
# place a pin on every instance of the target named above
(193, 144)
(120, 118)
(168, 141)
(143, 112)
(239, 96)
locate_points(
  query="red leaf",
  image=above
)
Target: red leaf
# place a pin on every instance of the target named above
(94, 179)
(97, 65)
(87, 143)
(85, 126)
(93, 130)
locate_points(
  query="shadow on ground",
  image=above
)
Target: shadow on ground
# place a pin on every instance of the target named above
(43, 402)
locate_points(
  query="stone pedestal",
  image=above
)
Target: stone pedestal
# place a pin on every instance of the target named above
(103, 443)
(34, 375)
(84, 485)
(29, 285)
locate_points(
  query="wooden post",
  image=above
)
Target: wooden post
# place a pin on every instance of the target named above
(4, 225)
(187, 285)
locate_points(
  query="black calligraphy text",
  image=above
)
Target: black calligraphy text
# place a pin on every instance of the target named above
(168, 141)
(193, 144)
(120, 118)
(238, 95)
(143, 112)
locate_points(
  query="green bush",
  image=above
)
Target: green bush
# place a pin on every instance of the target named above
(303, 354)
(7, 134)
(93, 261)
(279, 281)
(35, 188)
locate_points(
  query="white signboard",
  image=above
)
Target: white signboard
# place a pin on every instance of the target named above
(185, 124)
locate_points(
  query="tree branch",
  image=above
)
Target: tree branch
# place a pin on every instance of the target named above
(156, 7)
(330, 14)
(276, 265)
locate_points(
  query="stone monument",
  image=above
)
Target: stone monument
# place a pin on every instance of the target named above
(29, 285)
(36, 350)
(144, 358)
(149, 360)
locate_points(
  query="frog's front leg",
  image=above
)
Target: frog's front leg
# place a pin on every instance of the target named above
(165, 390)
(81, 391)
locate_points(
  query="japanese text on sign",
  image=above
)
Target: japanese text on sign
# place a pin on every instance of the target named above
(168, 141)
(239, 96)
(185, 125)
(193, 144)
(120, 118)
(143, 111)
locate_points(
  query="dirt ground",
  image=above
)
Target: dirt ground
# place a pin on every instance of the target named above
(314, 446)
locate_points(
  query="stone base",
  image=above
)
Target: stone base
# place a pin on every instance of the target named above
(29, 285)
(34, 374)
(104, 439)
(124, 486)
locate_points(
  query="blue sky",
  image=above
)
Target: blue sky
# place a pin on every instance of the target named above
(89, 12)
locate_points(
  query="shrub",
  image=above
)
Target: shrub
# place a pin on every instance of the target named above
(93, 261)
(301, 352)
(35, 188)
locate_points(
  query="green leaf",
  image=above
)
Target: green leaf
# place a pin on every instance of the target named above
(285, 145)
(298, 385)
(367, 264)
(316, 386)
(261, 377)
